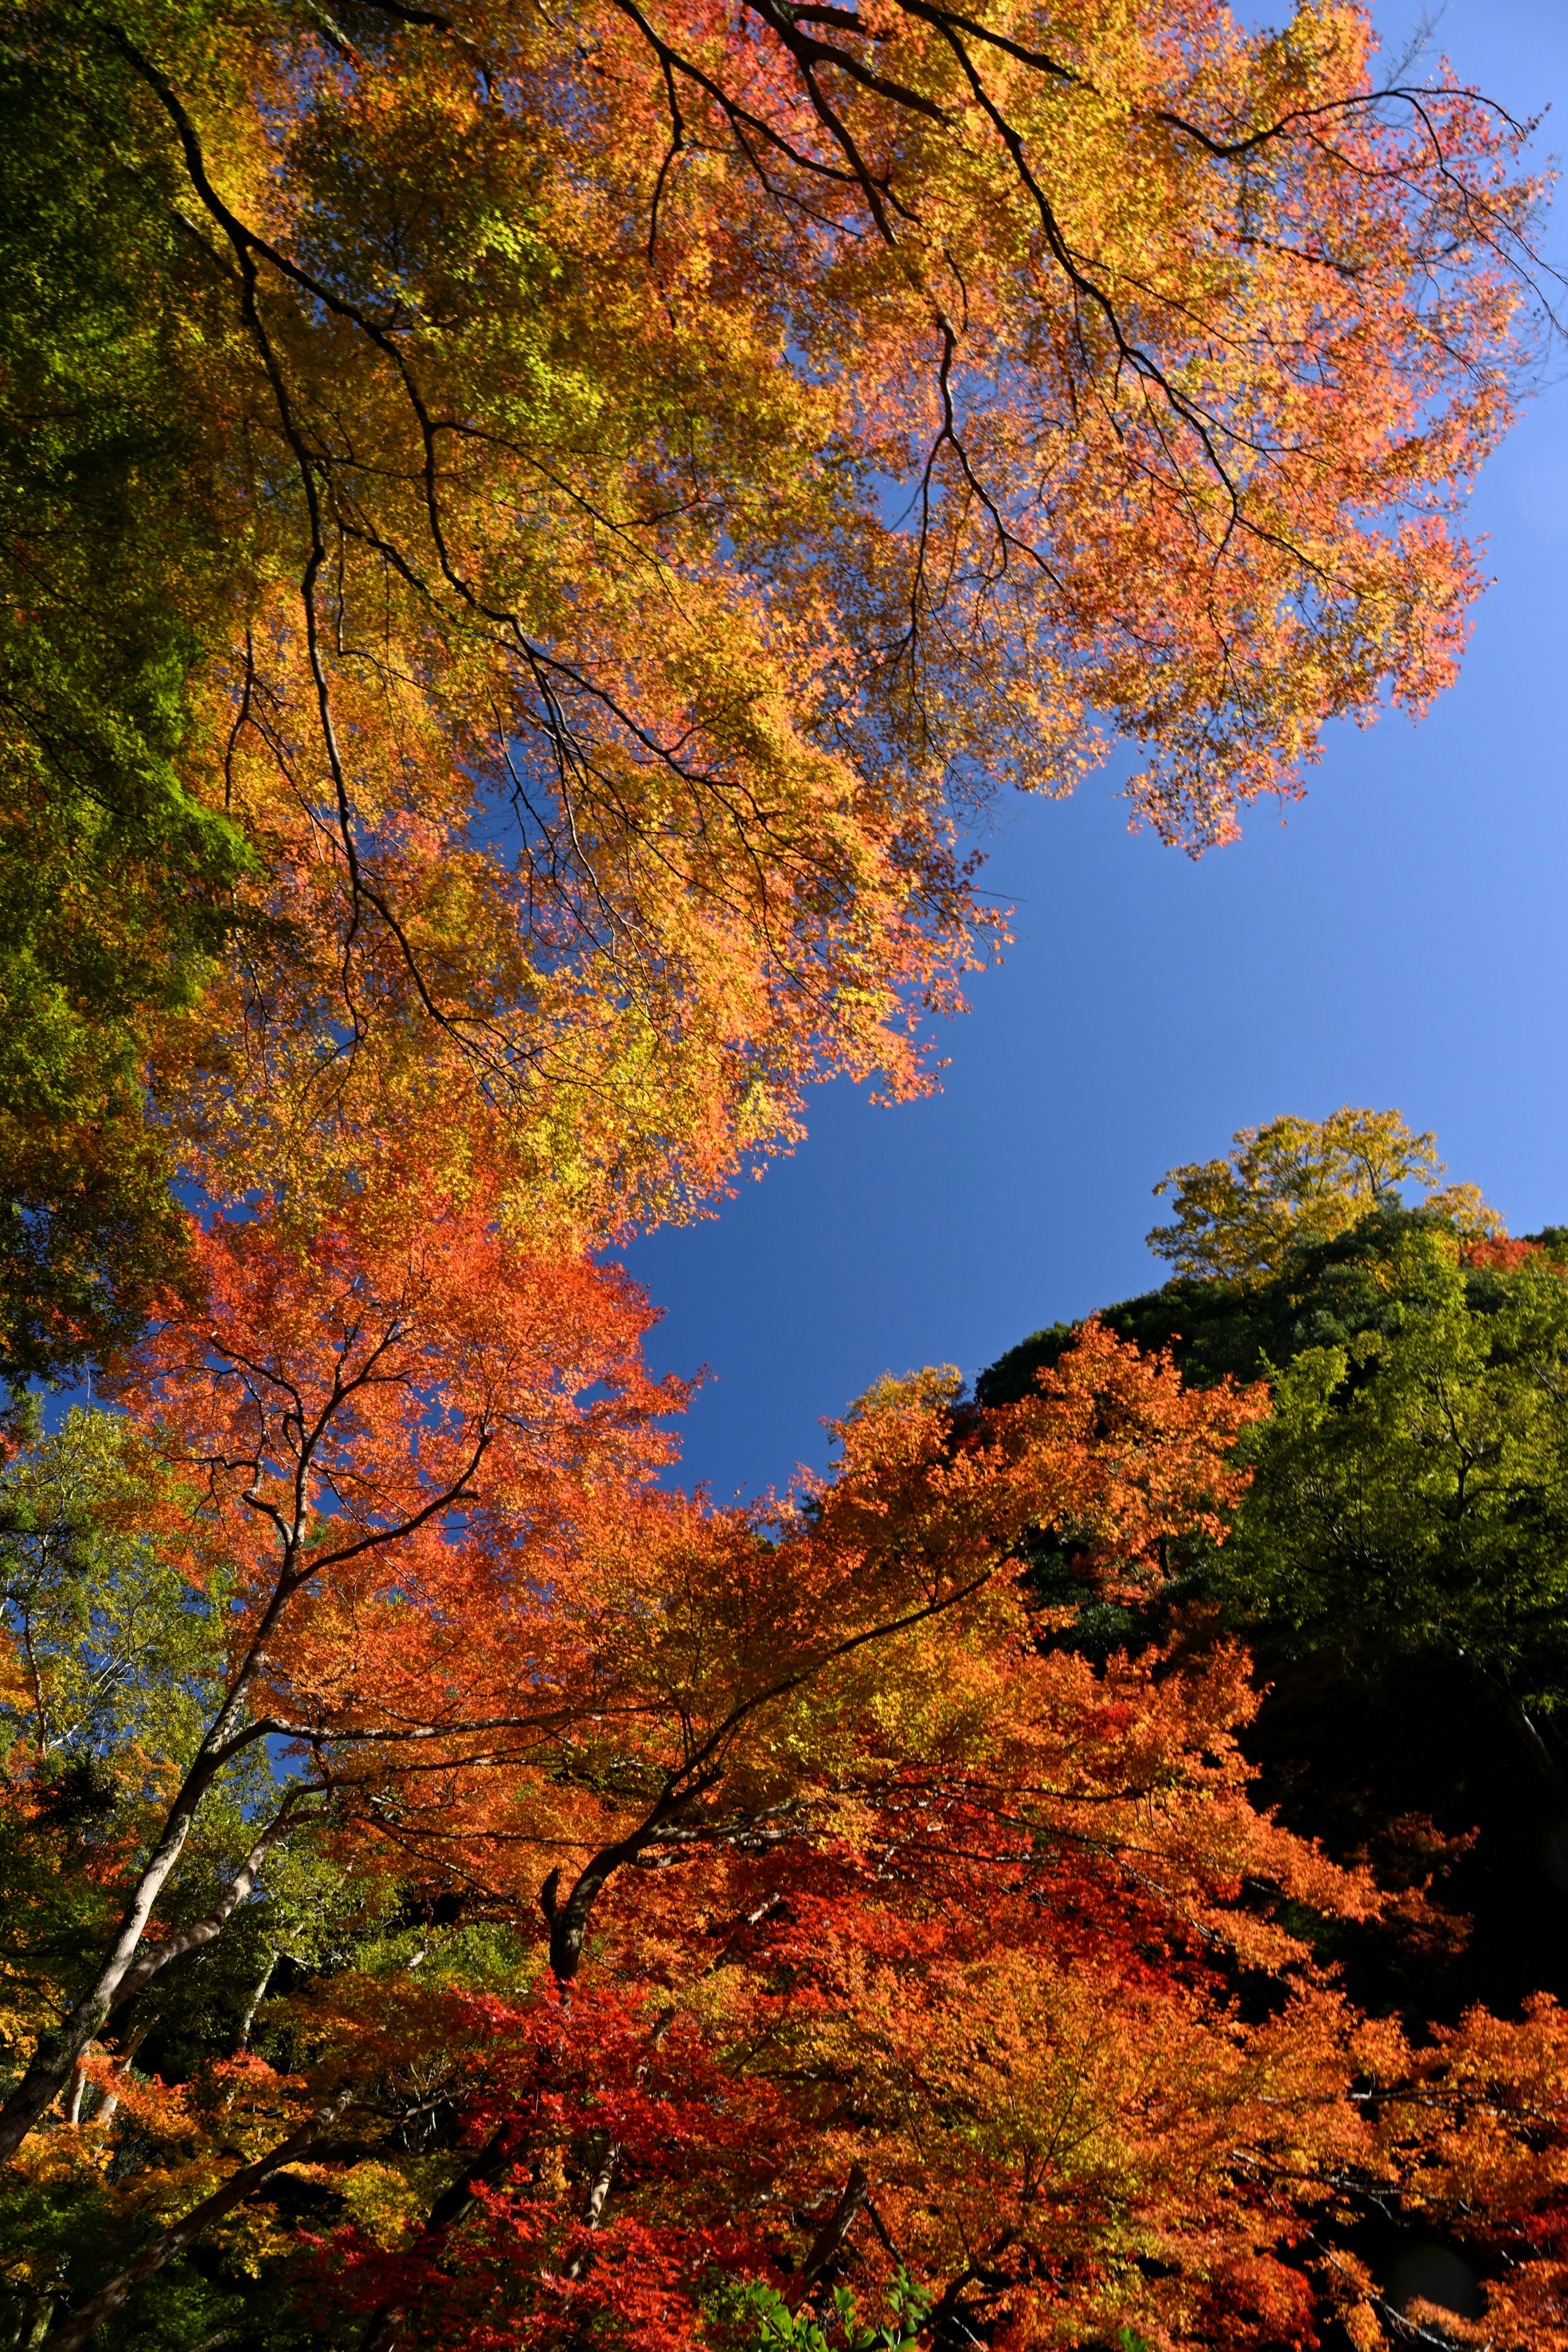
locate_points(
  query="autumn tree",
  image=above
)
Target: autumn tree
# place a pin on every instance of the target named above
(335, 1410)
(442, 1573)
(884, 1960)
(511, 510)
(1300, 1180)
(491, 1644)
(487, 739)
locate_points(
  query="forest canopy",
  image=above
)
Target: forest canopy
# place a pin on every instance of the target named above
(475, 697)
(462, 1891)
(531, 543)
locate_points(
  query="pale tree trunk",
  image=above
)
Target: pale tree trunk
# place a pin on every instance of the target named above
(83, 2324)
(128, 2050)
(125, 1973)
(78, 2097)
(258, 1995)
(36, 2328)
(1548, 1771)
(128, 1966)
(122, 1973)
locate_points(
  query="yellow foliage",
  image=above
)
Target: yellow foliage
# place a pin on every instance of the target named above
(1302, 1180)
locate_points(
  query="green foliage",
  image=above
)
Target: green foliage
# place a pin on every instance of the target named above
(757, 2315)
(1298, 1181)
(113, 879)
(115, 1653)
(112, 1665)
(1410, 1490)
(1324, 1292)
(1396, 1569)
(1213, 1328)
(108, 1658)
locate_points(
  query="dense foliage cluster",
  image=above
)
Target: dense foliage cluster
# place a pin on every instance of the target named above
(527, 535)
(1395, 1561)
(886, 1941)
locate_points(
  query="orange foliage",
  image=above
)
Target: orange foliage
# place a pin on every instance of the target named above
(873, 1932)
(1502, 1257)
(977, 2017)
(600, 722)
(603, 736)
(455, 1583)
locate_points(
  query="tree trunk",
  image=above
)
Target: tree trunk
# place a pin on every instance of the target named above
(125, 1973)
(1547, 1768)
(77, 2092)
(128, 2050)
(1543, 1763)
(83, 2324)
(386, 2326)
(258, 1995)
(830, 2238)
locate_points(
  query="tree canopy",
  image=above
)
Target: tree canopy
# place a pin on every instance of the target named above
(1394, 1559)
(512, 682)
(1403, 1489)
(463, 1891)
(883, 1947)
(1298, 1181)
(529, 539)
(1408, 1490)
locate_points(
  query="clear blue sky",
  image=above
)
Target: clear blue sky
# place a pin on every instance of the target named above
(1402, 939)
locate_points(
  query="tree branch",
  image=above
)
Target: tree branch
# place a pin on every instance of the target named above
(83, 2324)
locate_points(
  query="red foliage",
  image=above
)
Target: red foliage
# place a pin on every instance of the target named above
(876, 1932)
(1502, 1255)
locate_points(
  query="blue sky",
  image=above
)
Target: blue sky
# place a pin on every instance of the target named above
(1403, 939)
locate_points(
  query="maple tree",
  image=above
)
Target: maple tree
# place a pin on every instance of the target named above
(882, 1944)
(595, 738)
(489, 738)
(334, 1398)
(881, 1947)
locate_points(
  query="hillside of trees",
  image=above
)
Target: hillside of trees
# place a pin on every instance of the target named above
(1396, 1564)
